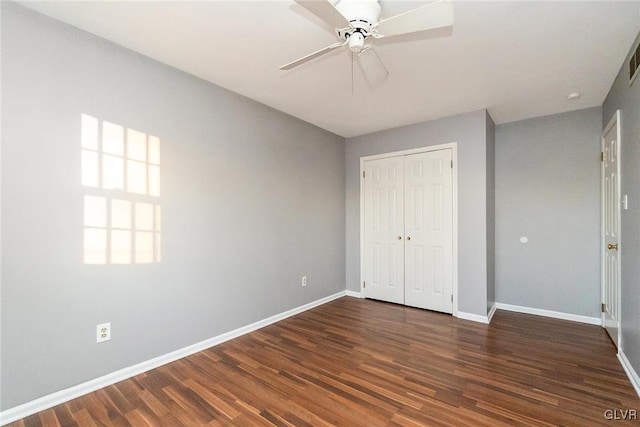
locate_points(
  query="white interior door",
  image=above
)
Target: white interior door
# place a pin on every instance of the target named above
(611, 228)
(429, 231)
(408, 230)
(384, 230)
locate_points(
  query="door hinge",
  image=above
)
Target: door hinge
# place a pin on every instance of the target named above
(364, 284)
(451, 297)
(602, 156)
(363, 174)
(604, 308)
(451, 164)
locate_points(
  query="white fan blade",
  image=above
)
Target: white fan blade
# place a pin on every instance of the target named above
(311, 56)
(438, 14)
(325, 11)
(372, 67)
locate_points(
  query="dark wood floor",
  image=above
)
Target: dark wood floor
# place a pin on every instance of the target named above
(358, 362)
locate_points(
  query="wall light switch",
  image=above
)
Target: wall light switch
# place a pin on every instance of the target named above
(625, 203)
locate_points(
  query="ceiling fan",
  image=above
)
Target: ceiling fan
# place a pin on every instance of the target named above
(357, 22)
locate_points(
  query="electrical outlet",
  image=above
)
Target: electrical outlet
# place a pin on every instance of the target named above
(304, 280)
(103, 332)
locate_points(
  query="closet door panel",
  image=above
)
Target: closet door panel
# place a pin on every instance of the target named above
(429, 230)
(384, 230)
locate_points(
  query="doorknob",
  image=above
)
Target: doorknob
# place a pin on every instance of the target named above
(408, 237)
(613, 246)
(399, 237)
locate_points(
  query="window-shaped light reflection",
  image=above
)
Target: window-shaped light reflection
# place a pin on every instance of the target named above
(136, 145)
(112, 139)
(136, 177)
(120, 247)
(120, 214)
(144, 247)
(90, 168)
(112, 172)
(144, 216)
(154, 180)
(157, 227)
(95, 211)
(154, 150)
(158, 217)
(122, 168)
(95, 246)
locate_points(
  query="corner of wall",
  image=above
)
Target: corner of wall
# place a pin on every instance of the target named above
(490, 135)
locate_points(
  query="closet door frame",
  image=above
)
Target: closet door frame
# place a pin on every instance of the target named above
(453, 146)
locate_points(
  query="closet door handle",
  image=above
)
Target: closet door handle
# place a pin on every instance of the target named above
(408, 237)
(399, 237)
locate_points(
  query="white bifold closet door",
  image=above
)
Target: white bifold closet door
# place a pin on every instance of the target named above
(384, 229)
(408, 230)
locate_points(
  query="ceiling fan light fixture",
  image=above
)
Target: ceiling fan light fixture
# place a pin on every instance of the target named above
(356, 21)
(356, 41)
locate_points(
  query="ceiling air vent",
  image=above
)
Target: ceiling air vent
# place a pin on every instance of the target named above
(634, 64)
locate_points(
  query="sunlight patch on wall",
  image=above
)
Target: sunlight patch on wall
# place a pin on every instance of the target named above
(120, 170)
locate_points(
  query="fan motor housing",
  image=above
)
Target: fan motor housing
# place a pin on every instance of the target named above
(361, 14)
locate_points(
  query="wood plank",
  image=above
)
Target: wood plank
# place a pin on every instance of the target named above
(362, 362)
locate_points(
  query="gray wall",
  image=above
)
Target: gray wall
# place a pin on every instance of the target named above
(469, 131)
(252, 200)
(491, 211)
(548, 189)
(627, 99)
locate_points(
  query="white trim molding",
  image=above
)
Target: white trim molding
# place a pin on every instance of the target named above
(631, 373)
(549, 313)
(492, 311)
(45, 402)
(473, 317)
(354, 294)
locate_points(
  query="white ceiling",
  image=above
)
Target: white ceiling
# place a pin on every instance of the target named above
(517, 59)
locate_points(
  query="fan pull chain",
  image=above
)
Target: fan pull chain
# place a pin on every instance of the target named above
(352, 59)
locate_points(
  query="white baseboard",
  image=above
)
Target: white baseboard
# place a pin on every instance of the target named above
(473, 317)
(549, 313)
(631, 373)
(354, 294)
(62, 396)
(492, 312)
